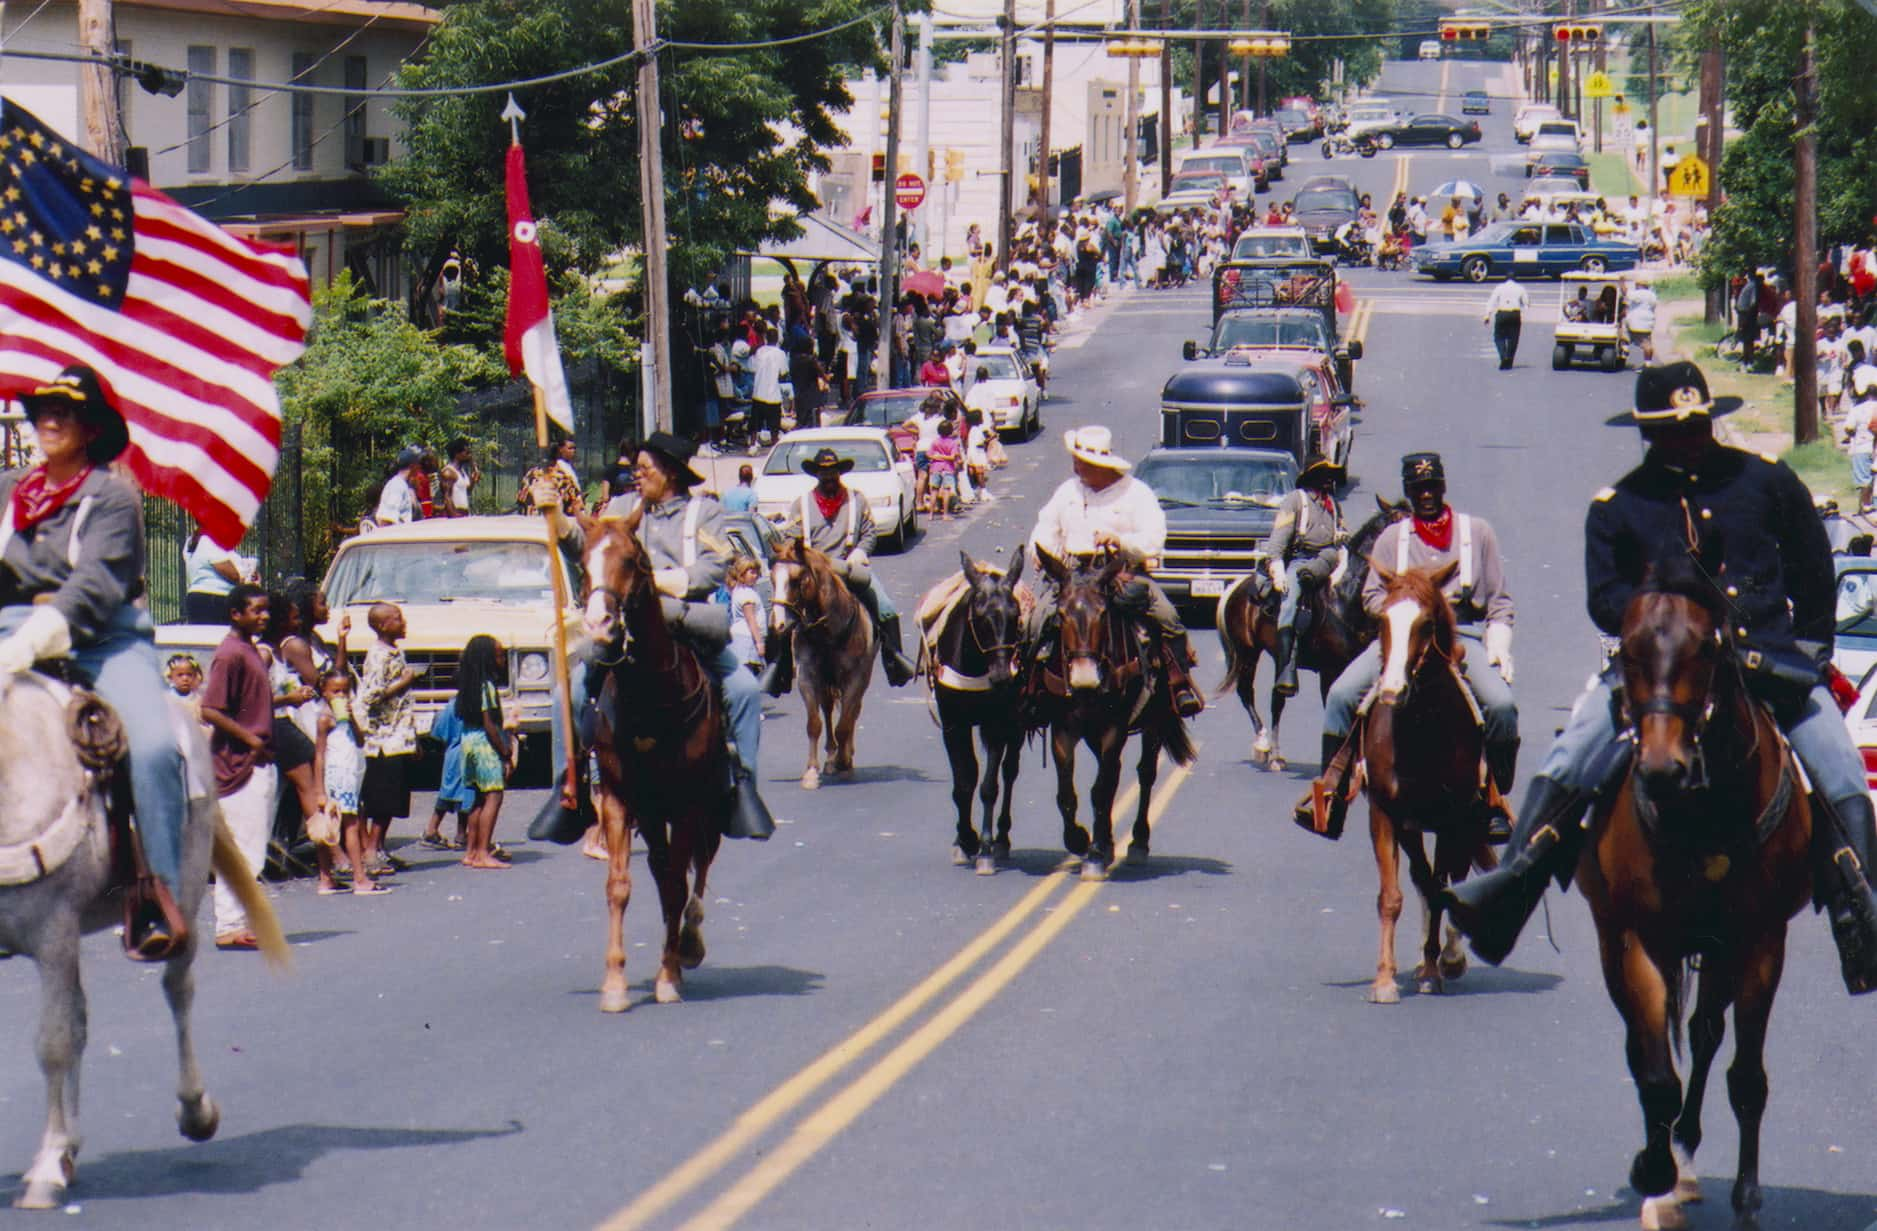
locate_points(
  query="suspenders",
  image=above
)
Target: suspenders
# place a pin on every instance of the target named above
(1466, 554)
(852, 534)
(687, 550)
(71, 544)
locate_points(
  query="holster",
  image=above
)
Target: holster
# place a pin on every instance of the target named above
(1782, 674)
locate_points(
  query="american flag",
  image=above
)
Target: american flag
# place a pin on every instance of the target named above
(183, 322)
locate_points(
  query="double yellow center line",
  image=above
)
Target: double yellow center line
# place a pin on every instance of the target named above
(849, 1102)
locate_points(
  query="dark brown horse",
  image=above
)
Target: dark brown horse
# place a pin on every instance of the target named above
(659, 741)
(1247, 623)
(975, 652)
(833, 650)
(1701, 853)
(1421, 746)
(1106, 686)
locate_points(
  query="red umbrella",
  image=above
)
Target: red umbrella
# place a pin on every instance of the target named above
(927, 282)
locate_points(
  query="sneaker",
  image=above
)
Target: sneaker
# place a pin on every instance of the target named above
(706, 450)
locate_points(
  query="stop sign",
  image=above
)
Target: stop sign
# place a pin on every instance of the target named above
(909, 191)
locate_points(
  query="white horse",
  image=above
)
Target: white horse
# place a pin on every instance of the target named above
(54, 818)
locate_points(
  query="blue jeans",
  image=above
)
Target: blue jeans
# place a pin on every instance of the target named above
(1293, 593)
(1489, 689)
(1819, 737)
(885, 604)
(125, 672)
(742, 703)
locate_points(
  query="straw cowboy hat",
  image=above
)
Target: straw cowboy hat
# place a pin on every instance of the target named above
(1094, 445)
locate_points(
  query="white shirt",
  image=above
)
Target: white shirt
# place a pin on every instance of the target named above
(928, 426)
(396, 502)
(1125, 508)
(1641, 314)
(1508, 296)
(768, 365)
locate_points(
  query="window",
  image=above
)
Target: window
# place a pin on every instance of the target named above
(1559, 235)
(303, 114)
(355, 111)
(240, 65)
(201, 103)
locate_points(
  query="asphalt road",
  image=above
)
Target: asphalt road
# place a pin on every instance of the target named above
(880, 1040)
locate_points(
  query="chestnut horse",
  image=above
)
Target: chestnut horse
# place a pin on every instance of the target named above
(1702, 852)
(975, 652)
(659, 740)
(834, 650)
(1421, 751)
(1341, 629)
(1109, 686)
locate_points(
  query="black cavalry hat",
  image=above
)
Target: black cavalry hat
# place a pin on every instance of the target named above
(1319, 471)
(827, 459)
(1675, 393)
(77, 386)
(1422, 468)
(678, 451)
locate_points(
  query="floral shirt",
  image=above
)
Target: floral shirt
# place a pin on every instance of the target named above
(390, 730)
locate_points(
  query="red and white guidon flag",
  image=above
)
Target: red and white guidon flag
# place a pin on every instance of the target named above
(529, 339)
(183, 322)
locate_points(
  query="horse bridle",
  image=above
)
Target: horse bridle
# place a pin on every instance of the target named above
(795, 612)
(1695, 715)
(616, 609)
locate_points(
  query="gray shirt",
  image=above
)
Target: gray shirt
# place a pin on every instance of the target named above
(662, 534)
(1303, 527)
(832, 538)
(88, 556)
(1484, 599)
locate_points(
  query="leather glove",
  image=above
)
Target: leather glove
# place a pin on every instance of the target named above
(672, 581)
(1279, 582)
(1342, 567)
(857, 558)
(44, 634)
(1499, 649)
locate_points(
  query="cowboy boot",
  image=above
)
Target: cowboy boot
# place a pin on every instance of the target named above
(747, 816)
(1491, 909)
(779, 676)
(567, 813)
(1841, 850)
(1501, 763)
(1327, 790)
(1286, 683)
(1188, 702)
(899, 669)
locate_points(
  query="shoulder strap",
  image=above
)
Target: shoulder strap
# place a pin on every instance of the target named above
(1401, 547)
(853, 521)
(1466, 555)
(78, 526)
(693, 509)
(6, 528)
(806, 524)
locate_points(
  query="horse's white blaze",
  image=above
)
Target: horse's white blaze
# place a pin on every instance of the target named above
(1401, 617)
(778, 614)
(599, 568)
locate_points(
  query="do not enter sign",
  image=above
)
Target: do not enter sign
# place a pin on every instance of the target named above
(909, 191)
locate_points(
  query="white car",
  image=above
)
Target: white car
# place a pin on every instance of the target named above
(1231, 161)
(1193, 190)
(1364, 116)
(882, 476)
(1556, 136)
(1430, 49)
(1009, 394)
(1526, 119)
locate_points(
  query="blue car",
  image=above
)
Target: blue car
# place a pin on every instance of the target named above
(1530, 249)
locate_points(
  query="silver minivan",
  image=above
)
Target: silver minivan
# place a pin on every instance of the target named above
(1233, 162)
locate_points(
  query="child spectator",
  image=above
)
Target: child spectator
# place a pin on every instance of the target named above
(488, 751)
(184, 674)
(452, 797)
(977, 452)
(342, 771)
(746, 612)
(946, 456)
(390, 733)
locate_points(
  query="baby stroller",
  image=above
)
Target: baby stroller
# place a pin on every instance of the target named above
(1393, 254)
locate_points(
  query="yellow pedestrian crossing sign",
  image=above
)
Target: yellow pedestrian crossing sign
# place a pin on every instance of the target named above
(1688, 178)
(1598, 85)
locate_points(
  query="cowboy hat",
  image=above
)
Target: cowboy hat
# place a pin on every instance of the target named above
(1094, 445)
(676, 450)
(1319, 469)
(77, 387)
(1675, 393)
(827, 459)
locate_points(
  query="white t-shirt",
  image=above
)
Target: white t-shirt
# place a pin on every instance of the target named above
(396, 503)
(928, 426)
(1641, 314)
(1859, 417)
(768, 365)
(203, 557)
(742, 640)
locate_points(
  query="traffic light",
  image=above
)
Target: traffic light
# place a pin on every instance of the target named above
(1465, 31)
(879, 169)
(1588, 36)
(1140, 49)
(954, 166)
(1260, 44)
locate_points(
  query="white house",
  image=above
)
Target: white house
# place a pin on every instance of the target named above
(287, 168)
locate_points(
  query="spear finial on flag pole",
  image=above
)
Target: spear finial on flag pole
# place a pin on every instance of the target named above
(514, 115)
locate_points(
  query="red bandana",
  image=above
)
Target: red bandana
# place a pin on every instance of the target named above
(1328, 502)
(1438, 533)
(34, 501)
(829, 507)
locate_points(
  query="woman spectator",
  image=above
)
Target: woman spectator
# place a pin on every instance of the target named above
(1860, 422)
(488, 749)
(213, 572)
(294, 753)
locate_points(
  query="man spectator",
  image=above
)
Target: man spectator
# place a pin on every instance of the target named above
(742, 497)
(397, 501)
(238, 706)
(460, 475)
(1639, 317)
(422, 487)
(768, 365)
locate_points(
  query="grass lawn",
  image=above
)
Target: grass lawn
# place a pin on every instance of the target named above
(1610, 177)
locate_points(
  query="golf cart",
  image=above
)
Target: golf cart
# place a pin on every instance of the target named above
(1590, 321)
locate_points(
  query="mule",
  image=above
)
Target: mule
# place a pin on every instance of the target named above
(1702, 852)
(1340, 630)
(53, 800)
(974, 651)
(834, 650)
(659, 742)
(1422, 752)
(1108, 685)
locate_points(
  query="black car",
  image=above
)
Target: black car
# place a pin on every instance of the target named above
(1429, 130)
(1268, 146)
(1323, 204)
(1297, 125)
(1475, 102)
(1220, 505)
(1559, 164)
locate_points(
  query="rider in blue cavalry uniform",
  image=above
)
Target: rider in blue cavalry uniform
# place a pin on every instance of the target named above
(1692, 493)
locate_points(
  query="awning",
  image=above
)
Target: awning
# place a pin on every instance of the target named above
(822, 240)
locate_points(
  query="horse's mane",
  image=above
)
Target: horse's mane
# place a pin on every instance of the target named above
(1360, 544)
(1684, 577)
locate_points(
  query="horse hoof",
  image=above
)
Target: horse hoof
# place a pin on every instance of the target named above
(666, 992)
(1384, 991)
(1453, 967)
(1094, 868)
(1429, 987)
(1260, 757)
(1000, 850)
(198, 1120)
(1663, 1214)
(811, 780)
(1137, 856)
(1687, 1179)
(1075, 840)
(959, 858)
(690, 948)
(986, 866)
(40, 1195)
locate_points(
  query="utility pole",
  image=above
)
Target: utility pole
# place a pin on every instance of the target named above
(104, 126)
(1264, 23)
(1225, 75)
(1166, 99)
(1199, 74)
(1714, 109)
(1603, 62)
(1805, 247)
(889, 211)
(1009, 141)
(1655, 91)
(1564, 68)
(924, 157)
(1130, 170)
(1043, 212)
(652, 211)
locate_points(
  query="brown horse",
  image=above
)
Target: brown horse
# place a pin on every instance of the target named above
(659, 741)
(1421, 749)
(1702, 852)
(1107, 685)
(1247, 623)
(834, 650)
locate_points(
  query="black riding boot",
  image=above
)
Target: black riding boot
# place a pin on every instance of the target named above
(1502, 762)
(1841, 852)
(1491, 909)
(556, 822)
(779, 677)
(1188, 702)
(899, 670)
(1327, 778)
(1286, 684)
(748, 816)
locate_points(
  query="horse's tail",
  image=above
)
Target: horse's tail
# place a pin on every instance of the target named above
(1177, 741)
(1237, 663)
(233, 870)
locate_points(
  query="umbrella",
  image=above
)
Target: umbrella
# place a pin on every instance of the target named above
(1457, 188)
(927, 282)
